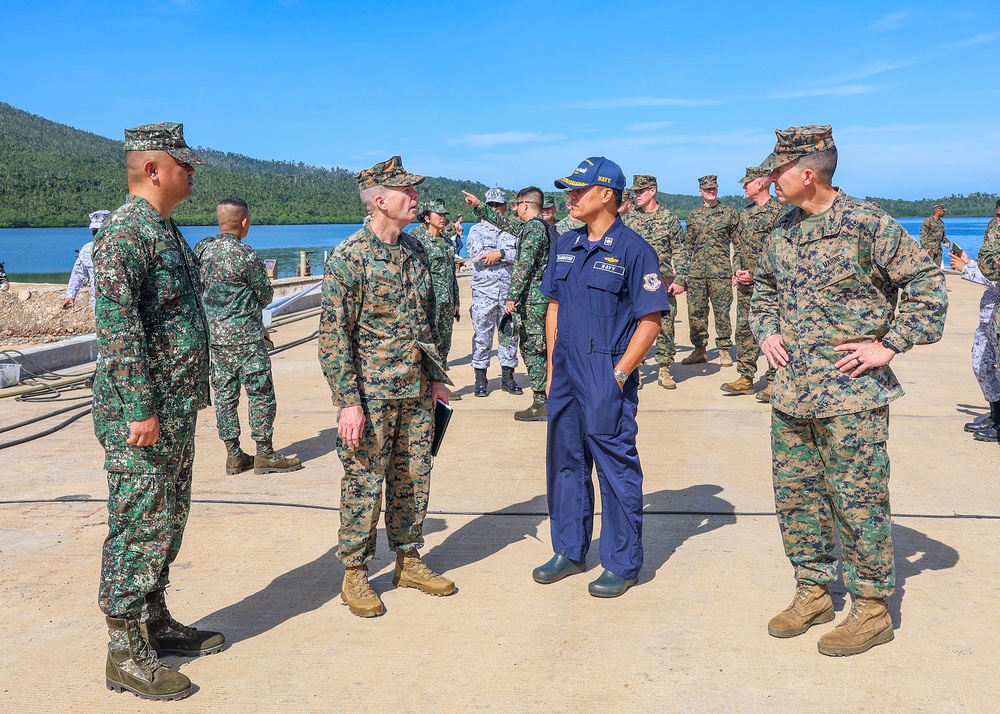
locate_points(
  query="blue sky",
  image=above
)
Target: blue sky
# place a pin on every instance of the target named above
(516, 93)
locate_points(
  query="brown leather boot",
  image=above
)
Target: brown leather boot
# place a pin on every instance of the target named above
(538, 411)
(743, 385)
(811, 605)
(664, 379)
(725, 359)
(274, 463)
(866, 625)
(237, 460)
(698, 356)
(358, 593)
(764, 395)
(132, 666)
(411, 572)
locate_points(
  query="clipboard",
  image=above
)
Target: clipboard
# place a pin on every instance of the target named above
(442, 415)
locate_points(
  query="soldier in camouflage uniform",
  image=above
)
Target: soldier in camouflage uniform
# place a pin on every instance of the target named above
(987, 428)
(150, 383)
(492, 252)
(236, 290)
(549, 210)
(568, 223)
(378, 347)
(756, 223)
(440, 252)
(525, 295)
(711, 228)
(932, 234)
(662, 230)
(823, 314)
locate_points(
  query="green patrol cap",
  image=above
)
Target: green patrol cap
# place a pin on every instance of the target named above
(387, 173)
(549, 202)
(437, 206)
(640, 182)
(163, 136)
(753, 173)
(710, 181)
(798, 141)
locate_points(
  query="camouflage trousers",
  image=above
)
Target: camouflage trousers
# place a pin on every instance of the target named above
(533, 343)
(665, 346)
(486, 312)
(747, 349)
(718, 291)
(149, 497)
(833, 473)
(394, 457)
(248, 366)
(444, 315)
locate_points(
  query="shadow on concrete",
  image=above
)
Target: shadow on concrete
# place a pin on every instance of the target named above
(672, 517)
(314, 447)
(915, 552)
(973, 410)
(489, 534)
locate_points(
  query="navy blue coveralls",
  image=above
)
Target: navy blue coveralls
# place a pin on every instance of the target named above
(602, 289)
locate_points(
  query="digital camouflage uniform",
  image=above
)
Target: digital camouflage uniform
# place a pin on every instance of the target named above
(825, 287)
(440, 254)
(710, 272)
(490, 284)
(662, 230)
(154, 362)
(525, 288)
(378, 349)
(568, 223)
(237, 289)
(932, 235)
(756, 224)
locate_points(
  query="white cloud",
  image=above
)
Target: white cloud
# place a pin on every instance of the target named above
(648, 126)
(870, 71)
(634, 102)
(844, 91)
(506, 137)
(892, 21)
(981, 39)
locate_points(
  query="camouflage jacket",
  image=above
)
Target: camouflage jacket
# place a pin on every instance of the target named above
(836, 285)
(377, 335)
(756, 224)
(568, 224)
(989, 259)
(532, 254)
(236, 289)
(441, 256)
(709, 233)
(493, 280)
(932, 234)
(662, 230)
(150, 327)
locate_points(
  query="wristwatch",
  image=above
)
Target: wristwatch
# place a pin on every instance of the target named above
(620, 377)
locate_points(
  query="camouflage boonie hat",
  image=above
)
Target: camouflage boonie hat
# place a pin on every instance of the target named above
(163, 136)
(437, 206)
(798, 141)
(754, 173)
(98, 217)
(940, 207)
(548, 203)
(387, 173)
(640, 182)
(496, 195)
(710, 181)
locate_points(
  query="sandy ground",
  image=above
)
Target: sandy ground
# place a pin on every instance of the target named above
(259, 563)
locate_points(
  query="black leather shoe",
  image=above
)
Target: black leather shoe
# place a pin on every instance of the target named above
(992, 434)
(556, 569)
(984, 421)
(610, 585)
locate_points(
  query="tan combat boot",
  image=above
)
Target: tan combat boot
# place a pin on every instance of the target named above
(764, 395)
(411, 572)
(725, 359)
(272, 462)
(237, 460)
(133, 667)
(811, 605)
(358, 593)
(743, 385)
(698, 356)
(664, 379)
(538, 411)
(866, 625)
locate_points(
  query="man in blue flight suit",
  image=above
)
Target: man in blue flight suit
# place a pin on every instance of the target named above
(606, 297)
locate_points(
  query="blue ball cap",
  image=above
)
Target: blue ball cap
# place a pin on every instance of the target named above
(595, 171)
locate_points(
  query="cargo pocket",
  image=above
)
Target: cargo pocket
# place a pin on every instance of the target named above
(603, 288)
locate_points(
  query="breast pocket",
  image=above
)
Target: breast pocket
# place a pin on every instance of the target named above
(169, 276)
(603, 288)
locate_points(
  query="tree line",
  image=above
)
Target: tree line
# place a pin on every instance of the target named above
(52, 175)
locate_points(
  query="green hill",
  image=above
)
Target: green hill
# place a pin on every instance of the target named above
(52, 175)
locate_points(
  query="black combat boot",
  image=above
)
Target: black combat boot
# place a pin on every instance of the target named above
(482, 383)
(507, 382)
(986, 421)
(167, 636)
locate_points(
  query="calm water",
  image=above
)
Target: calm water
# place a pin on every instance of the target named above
(47, 254)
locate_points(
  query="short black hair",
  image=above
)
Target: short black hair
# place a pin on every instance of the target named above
(237, 202)
(423, 216)
(617, 193)
(533, 194)
(822, 163)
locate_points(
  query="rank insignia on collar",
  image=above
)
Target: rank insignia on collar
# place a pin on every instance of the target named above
(609, 240)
